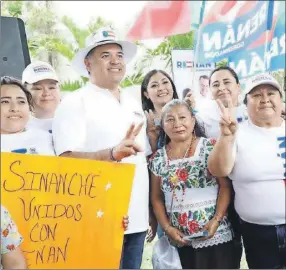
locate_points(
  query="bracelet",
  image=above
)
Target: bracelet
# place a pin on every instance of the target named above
(217, 219)
(111, 154)
(167, 228)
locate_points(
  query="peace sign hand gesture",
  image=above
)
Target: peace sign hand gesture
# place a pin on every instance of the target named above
(127, 147)
(228, 123)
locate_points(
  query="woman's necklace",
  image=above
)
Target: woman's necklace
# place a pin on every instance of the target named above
(179, 175)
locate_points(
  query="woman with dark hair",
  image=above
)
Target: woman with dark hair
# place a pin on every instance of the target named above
(224, 85)
(157, 89)
(186, 198)
(16, 106)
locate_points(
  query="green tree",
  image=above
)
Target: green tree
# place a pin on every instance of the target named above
(182, 41)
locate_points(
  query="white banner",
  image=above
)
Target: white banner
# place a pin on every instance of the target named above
(184, 70)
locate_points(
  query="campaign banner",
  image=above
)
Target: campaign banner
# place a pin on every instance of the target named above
(231, 28)
(276, 53)
(69, 211)
(262, 56)
(187, 73)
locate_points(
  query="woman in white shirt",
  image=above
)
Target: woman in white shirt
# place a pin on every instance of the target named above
(253, 156)
(16, 106)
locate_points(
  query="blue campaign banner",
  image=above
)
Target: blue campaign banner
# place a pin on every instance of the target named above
(233, 31)
(259, 58)
(248, 63)
(276, 54)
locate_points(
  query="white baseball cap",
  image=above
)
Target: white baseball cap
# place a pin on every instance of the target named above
(100, 37)
(264, 78)
(37, 71)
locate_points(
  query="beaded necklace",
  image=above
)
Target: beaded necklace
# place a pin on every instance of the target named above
(175, 178)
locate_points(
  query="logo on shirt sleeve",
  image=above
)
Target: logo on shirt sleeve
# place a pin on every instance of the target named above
(20, 151)
(282, 147)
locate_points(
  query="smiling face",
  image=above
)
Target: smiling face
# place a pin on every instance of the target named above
(178, 123)
(46, 97)
(14, 109)
(159, 90)
(106, 65)
(264, 104)
(224, 87)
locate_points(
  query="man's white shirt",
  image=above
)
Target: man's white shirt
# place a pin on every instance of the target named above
(92, 119)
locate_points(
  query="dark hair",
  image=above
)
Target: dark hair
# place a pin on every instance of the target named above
(199, 131)
(233, 73)
(147, 104)
(7, 80)
(185, 92)
(204, 77)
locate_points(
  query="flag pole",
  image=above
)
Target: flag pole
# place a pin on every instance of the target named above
(198, 41)
(268, 29)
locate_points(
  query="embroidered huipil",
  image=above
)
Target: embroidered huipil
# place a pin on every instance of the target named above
(195, 206)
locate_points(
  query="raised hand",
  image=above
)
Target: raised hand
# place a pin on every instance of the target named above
(127, 147)
(228, 123)
(190, 100)
(153, 129)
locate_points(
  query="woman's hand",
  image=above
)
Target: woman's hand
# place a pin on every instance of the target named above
(190, 99)
(228, 123)
(153, 130)
(153, 224)
(176, 237)
(211, 227)
(125, 222)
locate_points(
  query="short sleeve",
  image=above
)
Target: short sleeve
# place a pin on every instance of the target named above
(10, 237)
(155, 162)
(69, 125)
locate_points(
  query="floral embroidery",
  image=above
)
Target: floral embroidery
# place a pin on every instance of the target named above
(10, 237)
(183, 219)
(193, 174)
(182, 174)
(193, 226)
(213, 141)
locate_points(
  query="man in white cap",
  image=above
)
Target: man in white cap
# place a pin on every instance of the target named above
(42, 81)
(101, 122)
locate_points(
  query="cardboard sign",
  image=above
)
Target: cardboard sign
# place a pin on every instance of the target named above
(69, 211)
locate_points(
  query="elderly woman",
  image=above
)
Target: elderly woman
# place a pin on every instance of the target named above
(12, 256)
(185, 197)
(253, 156)
(16, 106)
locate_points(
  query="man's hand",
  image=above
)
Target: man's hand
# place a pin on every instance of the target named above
(127, 146)
(125, 222)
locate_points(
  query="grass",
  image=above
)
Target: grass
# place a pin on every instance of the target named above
(147, 257)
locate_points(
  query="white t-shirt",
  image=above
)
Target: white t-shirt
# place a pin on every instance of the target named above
(45, 124)
(91, 119)
(209, 116)
(31, 141)
(258, 174)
